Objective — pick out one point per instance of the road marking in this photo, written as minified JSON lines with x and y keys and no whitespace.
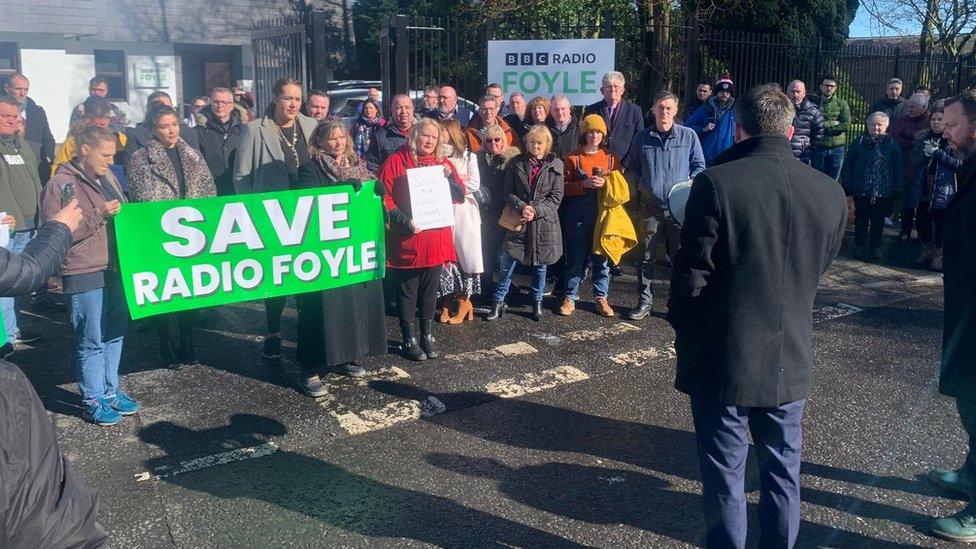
{"x":357,"y":423}
{"x":533,"y":383}
{"x":519,"y":348}
{"x":640,"y":357}
{"x":830,"y":312}
{"x":206,"y":462}
{"x":587,"y":335}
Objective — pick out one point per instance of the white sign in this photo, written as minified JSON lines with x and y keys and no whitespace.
{"x":150,"y":74}
{"x":546,"y":67}
{"x":430,"y":198}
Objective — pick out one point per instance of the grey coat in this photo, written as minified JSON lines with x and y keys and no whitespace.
{"x":260,"y":163}
{"x":152,"y":177}
{"x":541,"y":243}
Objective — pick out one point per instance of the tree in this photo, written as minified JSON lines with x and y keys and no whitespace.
{"x":948,"y":26}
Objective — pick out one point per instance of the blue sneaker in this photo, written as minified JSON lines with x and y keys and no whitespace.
{"x":123,"y":404}
{"x":100,"y":413}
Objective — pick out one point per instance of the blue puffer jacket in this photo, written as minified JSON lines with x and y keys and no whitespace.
{"x":944,"y":183}
{"x":715,"y":142}
{"x":857,"y":174}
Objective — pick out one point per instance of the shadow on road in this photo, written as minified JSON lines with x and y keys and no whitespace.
{"x":336,"y":497}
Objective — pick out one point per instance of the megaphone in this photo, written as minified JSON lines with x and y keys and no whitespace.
{"x":678,"y":199}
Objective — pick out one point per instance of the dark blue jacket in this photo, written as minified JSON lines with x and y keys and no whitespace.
{"x":626,"y":124}
{"x":715,"y":142}
{"x":857,"y":163}
{"x":387,"y":140}
{"x":946,"y":166}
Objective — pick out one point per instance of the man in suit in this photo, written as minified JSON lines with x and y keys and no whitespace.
{"x":957,"y":377}
{"x":760,"y":229}
{"x":37,"y":131}
{"x":623,"y":118}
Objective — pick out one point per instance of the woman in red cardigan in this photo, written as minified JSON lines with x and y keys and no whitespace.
{"x":414,"y":257}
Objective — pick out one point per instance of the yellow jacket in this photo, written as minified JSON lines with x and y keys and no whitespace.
{"x":614,"y":234}
{"x":67,"y":150}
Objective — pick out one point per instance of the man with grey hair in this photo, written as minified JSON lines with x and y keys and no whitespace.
{"x":219,"y":134}
{"x":516,"y":115}
{"x":760,"y":229}
{"x":623,"y":118}
{"x":904,"y":130}
{"x":892,"y":104}
{"x":563,"y":126}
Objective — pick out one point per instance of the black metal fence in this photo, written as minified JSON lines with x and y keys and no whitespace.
{"x":425,"y":51}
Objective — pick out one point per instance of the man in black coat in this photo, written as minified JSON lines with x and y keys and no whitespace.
{"x":958,"y":374}
{"x":219,"y":135}
{"x":37,"y":131}
{"x":392,"y":136}
{"x":563,"y":126}
{"x":623,"y":118}
{"x":138,"y":136}
{"x":760,"y":229}
{"x":808,"y":123}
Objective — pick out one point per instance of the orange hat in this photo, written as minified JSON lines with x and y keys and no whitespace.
{"x":593,"y":123}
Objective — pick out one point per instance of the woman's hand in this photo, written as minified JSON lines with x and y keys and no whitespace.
{"x":594,"y":182}
{"x":528,"y":214}
{"x":109,"y":209}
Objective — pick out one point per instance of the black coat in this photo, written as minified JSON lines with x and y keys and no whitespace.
{"x":387,"y":141}
{"x":37,"y":133}
{"x":26,"y":272}
{"x":808,"y":128}
{"x":137,"y":137}
{"x":344,"y":324}
{"x":218,"y":145}
{"x":566,"y":141}
{"x":760,"y":229}
{"x":958,"y":375}
{"x":541,"y":243}
{"x":625,"y":125}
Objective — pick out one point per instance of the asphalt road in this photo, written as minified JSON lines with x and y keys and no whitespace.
{"x":565,"y":432}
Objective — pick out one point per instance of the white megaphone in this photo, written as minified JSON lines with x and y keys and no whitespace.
{"x":678,"y":199}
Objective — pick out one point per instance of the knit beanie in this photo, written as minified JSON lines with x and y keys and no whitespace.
{"x":724,"y":84}
{"x":593,"y":122}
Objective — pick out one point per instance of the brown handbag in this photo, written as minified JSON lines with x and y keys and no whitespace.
{"x":511,"y":220}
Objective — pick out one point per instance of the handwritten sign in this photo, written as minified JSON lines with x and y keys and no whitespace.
{"x":430,"y":198}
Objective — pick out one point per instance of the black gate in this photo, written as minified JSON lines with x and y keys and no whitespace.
{"x":279,"y":52}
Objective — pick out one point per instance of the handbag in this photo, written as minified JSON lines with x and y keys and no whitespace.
{"x":510,"y":220}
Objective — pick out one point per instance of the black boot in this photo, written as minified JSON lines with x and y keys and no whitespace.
{"x":497,"y":310}
{"x":537,"y":311}
{"x":409,"y":347}
{"x":427,"y":341}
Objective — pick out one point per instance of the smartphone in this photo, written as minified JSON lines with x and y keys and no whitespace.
{"x":67,"y":193}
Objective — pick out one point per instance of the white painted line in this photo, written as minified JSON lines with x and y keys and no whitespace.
{"x":830,"y":312}
{"x":206,"y":462}
{"x":519,"y":348}
{"x":357,"y":423}
{"x":391,"y":373}
{"x":641,"y":357}
{"x":588,"y":335}
{"x":533,"y":383}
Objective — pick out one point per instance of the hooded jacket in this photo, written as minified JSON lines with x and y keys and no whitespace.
{"x":715,"y":142}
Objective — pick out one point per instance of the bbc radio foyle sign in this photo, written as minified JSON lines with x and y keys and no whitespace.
{"x":546,"y":67}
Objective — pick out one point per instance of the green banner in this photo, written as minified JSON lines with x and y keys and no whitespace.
{"x":187,"y":254}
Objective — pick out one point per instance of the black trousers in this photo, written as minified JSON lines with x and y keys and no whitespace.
{"x":416,"y":292}
{"x":923,"y":222}
{"x":273,"y":307}
{"x":938,"y":224}
{"x":869,"y":220}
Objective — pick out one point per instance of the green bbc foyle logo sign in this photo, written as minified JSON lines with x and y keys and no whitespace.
{"x":547,"y":67}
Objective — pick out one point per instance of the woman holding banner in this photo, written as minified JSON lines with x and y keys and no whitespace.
{"x":340,"y":327}
{"x":169,"y":169}
{"x":415,"y":257}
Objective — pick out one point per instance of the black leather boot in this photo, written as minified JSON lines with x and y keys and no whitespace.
{"x":537,"y":311}
{"x":410,"y":348}
{"x":497,"y":310}
{"x":427,"y":341}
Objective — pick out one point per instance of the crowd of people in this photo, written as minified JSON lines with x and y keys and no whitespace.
{"x":535,"y":189}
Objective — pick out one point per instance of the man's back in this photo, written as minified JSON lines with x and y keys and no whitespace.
{"x":761,"y":229}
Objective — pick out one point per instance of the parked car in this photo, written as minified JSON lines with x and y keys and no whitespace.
{"x":345,"y":102}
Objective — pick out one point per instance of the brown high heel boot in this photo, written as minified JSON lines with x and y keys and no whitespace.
{"x":465,"y":311}
{"x":446,"y":305}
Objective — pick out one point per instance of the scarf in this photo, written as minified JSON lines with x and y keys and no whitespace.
{"x":362,"y":132}
{"x":876,"y":175}
{"x":535,"y":168}
{"x":353,"y":170}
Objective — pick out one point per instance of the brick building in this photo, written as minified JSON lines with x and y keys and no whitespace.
{"x":184,"y":47}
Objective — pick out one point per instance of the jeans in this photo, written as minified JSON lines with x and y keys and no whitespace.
{"x":828,"y":161}
{"x":869,"y":220}
{"x":100,"y":318}
{"x":18,"y":241}
{"x":506,"y":268}
{"x":723,"y":446}
{"x":657,"y":225}
{"x":577,"y":242}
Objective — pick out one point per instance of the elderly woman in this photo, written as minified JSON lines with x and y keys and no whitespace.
{"x":493,"y":160}
{"x":337,"y":328}
{"x":872,"y":170}
{"x":271,"y":150}
{"x":169,"y":169}
{"x":462,"y":279}
{"x":415,"y":256}
{"x":533,"y":191}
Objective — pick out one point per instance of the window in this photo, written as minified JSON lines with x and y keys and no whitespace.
{"x":110,"y":65}
{"x":9,"y":59}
